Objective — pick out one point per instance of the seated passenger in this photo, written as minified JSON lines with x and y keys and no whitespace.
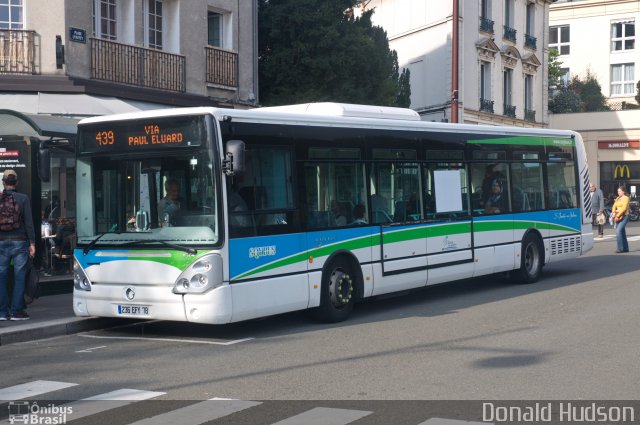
{"x":359,"y":213}
{"x":338,"y":216}
{"x":497,"y":202}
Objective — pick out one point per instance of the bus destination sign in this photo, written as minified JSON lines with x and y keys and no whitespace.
{"x":141,"y":135}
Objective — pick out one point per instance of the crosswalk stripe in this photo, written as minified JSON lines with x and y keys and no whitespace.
{"x":199,"y":413}
{"x":325,"y":416}
{"x":442,"y":421}
{"x":107,"y":401}
{"x":31,"y":389}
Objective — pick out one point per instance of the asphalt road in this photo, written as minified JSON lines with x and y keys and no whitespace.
{"x":574,"y":335}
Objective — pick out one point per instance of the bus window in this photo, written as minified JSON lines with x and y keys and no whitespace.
{"x":261,"y":199}
{"x":562,"y":185}
{"x":489,"y":183}
{"x":526,"y":189}
{"x":445,"y":191}
{"x":335,"y":194}
{"x":395,"y":186}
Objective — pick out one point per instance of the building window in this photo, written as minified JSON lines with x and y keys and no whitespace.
{"x":486,"y":103}
{"x":154,"y":24}
{"x":11,"y":14}
{"x":215,"y":24}
{"x":104,"y":19}
{"x":559,"y":38}
{"x":529,"y":113}
{"x":509,"y":109}
{"x":486,"y":24}
{"x":531,"y":16}
{"x":623,"y":35}
{"x":622,"y":79}
{"x":509,"y":30}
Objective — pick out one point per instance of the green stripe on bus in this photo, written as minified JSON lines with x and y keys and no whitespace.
{"x":178,"y":259}
{"x":526,"y":141}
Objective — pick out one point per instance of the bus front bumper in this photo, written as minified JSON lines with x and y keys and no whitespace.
{"x":154,"y":303}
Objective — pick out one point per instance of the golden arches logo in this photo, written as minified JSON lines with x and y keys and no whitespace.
{"x":622,"y":170}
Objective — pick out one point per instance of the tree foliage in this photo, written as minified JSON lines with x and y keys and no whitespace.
{"x":581,"y":95}
{"x":555,"y":71}
{"x":318,"y":50}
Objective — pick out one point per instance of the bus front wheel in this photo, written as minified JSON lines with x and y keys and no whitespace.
{"x":531,"y":261}
{"x":338,"y":292}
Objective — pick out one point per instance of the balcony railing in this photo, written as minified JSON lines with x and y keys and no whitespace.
{"x":486,"y":25}
{"x":17,"y":52}
{"x":530,"y":41}
{"x":510,"y":33}
{"x":486,"y":105}
{"x":222,"y":66}
{"x":509,"y":110}
{"x":137,"y":66}
{"x":529,"y":114}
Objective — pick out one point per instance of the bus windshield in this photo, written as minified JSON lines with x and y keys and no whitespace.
{"x":135,"y":200}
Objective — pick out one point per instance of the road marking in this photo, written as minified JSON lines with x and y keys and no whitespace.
{"x":325,"y":416}
{"x":190,"y":341}
{"x":90,"y":350}
{"x":107,"y":401}
{"x":199,"y":413}
{"x":441,"y":421}
{"x":31,"y":389}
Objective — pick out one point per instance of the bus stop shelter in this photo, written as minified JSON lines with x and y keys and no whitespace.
{"x":40,"y":148}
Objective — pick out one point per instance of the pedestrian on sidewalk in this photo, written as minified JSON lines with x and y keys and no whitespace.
{"x":597,"y":207}
{"x":17,"y":241}
{"x":620,"y":214}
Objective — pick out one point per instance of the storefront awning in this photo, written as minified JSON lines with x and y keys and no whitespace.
{"x":13,"y":123}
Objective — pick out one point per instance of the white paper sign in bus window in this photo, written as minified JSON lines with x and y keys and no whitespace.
{"x":448,"y":190}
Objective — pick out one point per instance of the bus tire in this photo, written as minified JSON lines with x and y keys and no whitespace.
{"x":531,"y":260}
{"x":338,"y":291}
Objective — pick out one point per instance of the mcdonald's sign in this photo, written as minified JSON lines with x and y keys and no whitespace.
{"x":622,"y":171}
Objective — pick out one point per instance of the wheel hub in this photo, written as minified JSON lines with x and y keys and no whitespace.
{"x":340,"y":288}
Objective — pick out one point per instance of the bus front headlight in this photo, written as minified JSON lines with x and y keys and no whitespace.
{"x":80,"y":279}
{"x":201,"y":276}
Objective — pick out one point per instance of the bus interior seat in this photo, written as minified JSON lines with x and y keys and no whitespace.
{"x":381,"y":217}
{"x":319,"y":219}
{"x":400,"y":211}
{"x":346,"y":207}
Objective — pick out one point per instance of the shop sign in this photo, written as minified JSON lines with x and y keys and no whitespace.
{"x":619,"y":144}
{"x":622,"y":171}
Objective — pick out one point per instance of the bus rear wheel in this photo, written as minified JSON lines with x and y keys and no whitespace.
{"x":531,"y":261}
{"x":338,"y":292}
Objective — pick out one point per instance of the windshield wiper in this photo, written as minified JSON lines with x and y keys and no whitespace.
{"x":191,"y":251}
{"x":87,"y":248}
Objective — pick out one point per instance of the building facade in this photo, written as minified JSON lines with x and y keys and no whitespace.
{"x":78,"y":58}
{"x":91,"y":57}
{"x":598,"y":36}
{"x":502,"y":61}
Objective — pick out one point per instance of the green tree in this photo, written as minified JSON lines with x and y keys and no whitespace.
{"x":590,"y":92}
{"x":318,"y":50}
{"x":564,"y":101}
{"x":555,"y":71}
{"x":638,"y":92}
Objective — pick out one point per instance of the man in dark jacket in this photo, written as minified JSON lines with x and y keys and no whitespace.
{"x":17,"y":240}
{"x":597,"y":206}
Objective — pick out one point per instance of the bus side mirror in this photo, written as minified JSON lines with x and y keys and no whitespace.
{"x":234,"y":158}
{"x":44,"y":164}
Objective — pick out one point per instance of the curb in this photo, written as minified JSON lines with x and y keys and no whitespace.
{"x":59,"y":327}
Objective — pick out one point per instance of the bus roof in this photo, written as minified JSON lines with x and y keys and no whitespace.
{"x":335,"y":115}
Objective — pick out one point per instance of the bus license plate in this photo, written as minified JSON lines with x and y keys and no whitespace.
{"x":133,"y":310}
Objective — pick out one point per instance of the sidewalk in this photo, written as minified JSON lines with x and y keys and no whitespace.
{"x":51,"y":315}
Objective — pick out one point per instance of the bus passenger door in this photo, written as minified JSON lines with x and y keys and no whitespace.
{"x":396,"y":206}
{"x":449,"y":243}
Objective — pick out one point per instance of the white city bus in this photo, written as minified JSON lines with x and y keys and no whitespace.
{"x":312,"y":207}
